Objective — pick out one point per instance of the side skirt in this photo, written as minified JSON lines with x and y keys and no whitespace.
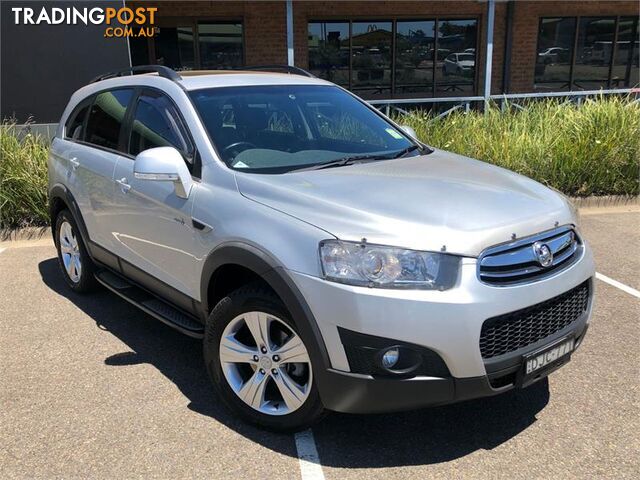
{"x":151,"y":304}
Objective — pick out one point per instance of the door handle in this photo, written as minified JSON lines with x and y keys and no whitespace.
{"x":74,"y":163}
{"x":124,"y":186}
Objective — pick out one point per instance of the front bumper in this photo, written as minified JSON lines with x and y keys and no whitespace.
{"x":448,"y":323}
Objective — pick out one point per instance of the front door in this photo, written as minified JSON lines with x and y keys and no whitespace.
{"x":153,"y":232}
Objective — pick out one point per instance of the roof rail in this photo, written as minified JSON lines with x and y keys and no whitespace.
{"x":290,"y":69}
{"x":161,"y":70}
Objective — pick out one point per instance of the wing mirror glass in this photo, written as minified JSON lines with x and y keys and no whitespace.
{"x":164,"y":164}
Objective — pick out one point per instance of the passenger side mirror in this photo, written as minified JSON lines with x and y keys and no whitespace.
{"x":164,"y":164}
{"x":409,"y":131}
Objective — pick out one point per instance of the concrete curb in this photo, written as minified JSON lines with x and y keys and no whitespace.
{"x":605,"y":201}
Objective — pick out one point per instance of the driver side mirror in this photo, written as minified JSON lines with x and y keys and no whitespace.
{"x":409,"y":131}
{"x":164,"y":164}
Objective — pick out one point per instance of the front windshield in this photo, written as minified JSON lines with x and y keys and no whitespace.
{"x":279,"y":128}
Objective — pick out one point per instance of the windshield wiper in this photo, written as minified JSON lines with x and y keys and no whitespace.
{"x":404,"y":151}
{"x":341,"y":162}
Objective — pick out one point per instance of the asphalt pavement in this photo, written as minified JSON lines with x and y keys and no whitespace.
{"x":93,"y":388}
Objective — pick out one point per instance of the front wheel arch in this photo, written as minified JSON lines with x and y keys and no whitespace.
{"x":271,"y":272}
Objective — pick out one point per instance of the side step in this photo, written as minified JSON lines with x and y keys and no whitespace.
{"x":151,"y":304}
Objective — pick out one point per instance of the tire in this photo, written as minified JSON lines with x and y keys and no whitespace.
{"x":76,"y":265}
{"x":261,"y":382}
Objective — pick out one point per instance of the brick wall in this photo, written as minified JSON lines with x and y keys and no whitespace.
{"x":265,"y":25}
{"x":526,"y":16}
{"x":265,"y":29}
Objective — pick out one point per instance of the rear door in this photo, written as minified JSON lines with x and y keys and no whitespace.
{"x":153,"y":231}
{"x":93,"y":154}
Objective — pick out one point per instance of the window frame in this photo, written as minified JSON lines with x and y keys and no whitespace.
{"x":92,"y":98}
{"x":576,"y":35}
{"x":195,"y":167}
{"x":432,"y":91}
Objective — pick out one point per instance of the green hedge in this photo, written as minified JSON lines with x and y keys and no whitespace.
{"x":23,"y":178}
{"x":591,"y":149}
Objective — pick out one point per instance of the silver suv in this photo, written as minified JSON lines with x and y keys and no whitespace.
{"x":327,"y":258}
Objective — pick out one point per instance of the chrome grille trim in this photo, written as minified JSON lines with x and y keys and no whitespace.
{"x":515,"y":263}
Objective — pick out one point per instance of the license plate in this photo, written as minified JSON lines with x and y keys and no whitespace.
{"x":539,"y":360}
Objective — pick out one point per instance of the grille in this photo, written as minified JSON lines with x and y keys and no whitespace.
{"x":517,"y":262}
{"x":516,"y":330}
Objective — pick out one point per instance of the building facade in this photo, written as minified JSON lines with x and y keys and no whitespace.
{"x":404,"y":49}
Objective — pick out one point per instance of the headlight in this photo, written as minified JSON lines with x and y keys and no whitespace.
{"x":387,"y":267}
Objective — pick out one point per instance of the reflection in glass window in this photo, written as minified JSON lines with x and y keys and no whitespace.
{"x":360,"y":56}
{"x":220,"y":45}
{"x":625,"y":64}
{"x":555,"y":47}
{"x":174,"y":48}
{"x":456,"y":57}
{"x":106,"y":117}
{"x":155,"y":124}
{"x":415,"y":44}
{"x":371,"y":58}
{"x":594,"y":52}
{"x":599,"y":60}
{"x":329,"y":51}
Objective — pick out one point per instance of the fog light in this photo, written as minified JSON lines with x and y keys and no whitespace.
{"x":390,"y":357}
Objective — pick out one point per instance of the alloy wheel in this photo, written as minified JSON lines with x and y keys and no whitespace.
{"x":70,"y":252}
{"x":265,"y":363}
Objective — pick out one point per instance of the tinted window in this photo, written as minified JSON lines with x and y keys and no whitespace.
{"x":75,"y":123}
{"x":106,"y":118}
{"x":156,"y":123}
{"x":220,"y":44}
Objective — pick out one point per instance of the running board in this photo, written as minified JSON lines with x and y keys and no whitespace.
{"x":151,"y":304}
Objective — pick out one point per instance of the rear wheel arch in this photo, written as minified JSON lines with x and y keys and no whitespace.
{"x":60,"y":198}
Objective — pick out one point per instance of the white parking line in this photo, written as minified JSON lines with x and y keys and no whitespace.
{"x":615,"y":283}
{"x":310,"y":468}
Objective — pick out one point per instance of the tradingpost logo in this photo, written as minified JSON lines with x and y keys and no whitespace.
{"x":119,"y":22}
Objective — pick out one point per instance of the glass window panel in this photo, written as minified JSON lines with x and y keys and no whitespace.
{"x":329,"y":51}
{"x":174,"y":47}
{"x":371,"y":59}
{"x":155,"y":124}
{"x":456,"y":57}
{"x":75,"y":123}
{"x":625,"y":62}
{"x":106,"y":117}
{"x":139,"y":47}
{"x":555,"y":48}
{"x":220,"y":45}
{"x":593,"y":53}
{"x":415,"y":44}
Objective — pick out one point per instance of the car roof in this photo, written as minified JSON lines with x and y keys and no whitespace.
{"x":201,"y":79}
{"x":195,"y":80}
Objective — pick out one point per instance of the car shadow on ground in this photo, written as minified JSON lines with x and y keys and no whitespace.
{"x":348,"y":441}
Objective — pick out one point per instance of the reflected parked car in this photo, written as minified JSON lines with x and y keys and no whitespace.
{"x":462,"y":64}
{"x":553,"y":55}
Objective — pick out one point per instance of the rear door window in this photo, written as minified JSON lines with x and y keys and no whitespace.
{"x":106,"y":118}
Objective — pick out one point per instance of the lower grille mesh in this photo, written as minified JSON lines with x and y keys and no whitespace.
{"x":518,"y":329}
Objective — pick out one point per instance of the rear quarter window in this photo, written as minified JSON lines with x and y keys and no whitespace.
{"x":74,"y":128}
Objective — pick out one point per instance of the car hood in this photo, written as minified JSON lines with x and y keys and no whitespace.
{"x":430,"y":202}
